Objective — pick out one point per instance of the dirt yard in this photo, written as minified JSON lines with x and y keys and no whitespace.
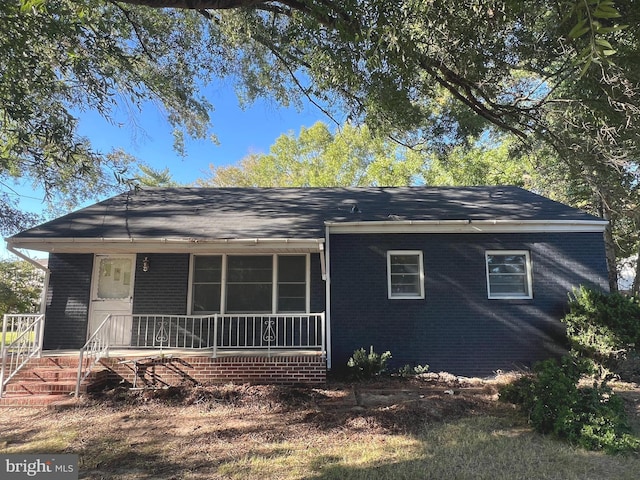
{"x":433,"y":427}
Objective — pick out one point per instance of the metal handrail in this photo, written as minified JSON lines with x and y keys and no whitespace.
{"x":97,"y":347}
{"x":241,"y":331}
{"x":17,"y":354}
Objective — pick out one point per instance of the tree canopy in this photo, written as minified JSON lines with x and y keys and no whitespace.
{"x":60,"y":58}
{"x":561,"y":76}
{"x":319,"y":158}
{"x":20,"y":287}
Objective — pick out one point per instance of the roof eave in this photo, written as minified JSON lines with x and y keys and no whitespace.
{"x":166,"y":245}
{"x":467,"y":226}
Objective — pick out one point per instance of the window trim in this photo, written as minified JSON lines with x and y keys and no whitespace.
{"x":223,"y":282}
{"x":528,"y":275}
{"x":390,"y":294}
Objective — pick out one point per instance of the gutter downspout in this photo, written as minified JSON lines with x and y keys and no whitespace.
{"x":45,"y":287}
{"x":327,"y":302}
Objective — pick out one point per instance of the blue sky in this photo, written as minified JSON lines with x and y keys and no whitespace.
{"x":239,"y":133}
{"x":147,"y":136}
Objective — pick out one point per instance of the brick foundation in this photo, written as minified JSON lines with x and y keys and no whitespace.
{"x":163,"y":371}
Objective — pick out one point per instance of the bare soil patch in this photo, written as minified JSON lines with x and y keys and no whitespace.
{"x":389,"y":428}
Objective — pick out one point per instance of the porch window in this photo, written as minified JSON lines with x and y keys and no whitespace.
{"x":405,"y":274}
{"x":292,"y":283}
{"x":508,"y":274}
{"x":249,"y":283}
{"x":207,"y":283}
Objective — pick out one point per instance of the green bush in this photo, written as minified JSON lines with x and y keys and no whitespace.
{"x":591,"y":417}
{"x":605,"y":328}
{"x":409,"y":371}
{"x":365,"y":366}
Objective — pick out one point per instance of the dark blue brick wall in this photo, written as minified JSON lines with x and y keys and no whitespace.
{"x":67,"y":301}
{"x":163,"y":289}
{"x":317,"y":288}
{"x":456,"y":328}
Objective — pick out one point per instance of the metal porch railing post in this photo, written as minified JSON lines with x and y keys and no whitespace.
{"x":215,"y":335}
{"x":323,"y":334}
{"x":2,"y":372}
{"x":3,"y":351}
{"x":79,"y":376}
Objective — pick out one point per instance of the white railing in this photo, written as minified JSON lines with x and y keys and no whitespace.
{"x":97,"y":347}
{"x":172,"y":331}
{"x":21,"y":341}
{"x":270,"y":332}
{"x":228,"y":331}
{"x":202,"y":332}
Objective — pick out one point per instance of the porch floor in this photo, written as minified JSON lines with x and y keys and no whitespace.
{"x":191,"y":352}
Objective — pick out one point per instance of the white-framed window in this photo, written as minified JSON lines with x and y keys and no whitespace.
{"x":228,"y":283}
{"x":405,"y":274}
{"x":509,"y":274}
{"x":206,"y":283}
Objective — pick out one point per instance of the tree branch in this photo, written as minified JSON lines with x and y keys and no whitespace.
{"x":196,"y":4}
{"x":135,"y":26}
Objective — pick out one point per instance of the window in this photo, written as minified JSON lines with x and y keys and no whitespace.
{"x":405,"y":274}
{"x":249,"y":283}
{"x":508,"y":274}
{"x":292,"y":283}
{"x":207,"y":282}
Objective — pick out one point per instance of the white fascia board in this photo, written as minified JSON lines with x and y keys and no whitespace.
{"x":168,"y":245}
{"x":468,"y":226}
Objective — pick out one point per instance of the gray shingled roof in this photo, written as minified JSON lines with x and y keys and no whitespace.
{"x":228,"y":213}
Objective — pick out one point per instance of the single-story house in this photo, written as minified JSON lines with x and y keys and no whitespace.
{"x":467,"y":280}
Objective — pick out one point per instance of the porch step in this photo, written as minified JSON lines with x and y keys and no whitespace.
{"x":42,"y":388}
{"x":21,"y":400}
{"x":47,"y":374}
{"x":49,"y":381}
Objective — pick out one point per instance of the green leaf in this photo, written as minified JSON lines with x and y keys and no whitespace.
{"x":603,"y":43}
{"x":604,"y":11}
{"x":579,"y":29}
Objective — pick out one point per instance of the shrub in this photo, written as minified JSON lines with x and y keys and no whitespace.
{"x":365,"y":366}
{"x":409,"y":371}
{"x":606,"y":328}
{"x":592,"y":417}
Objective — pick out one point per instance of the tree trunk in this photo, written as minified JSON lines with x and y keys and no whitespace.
{"x":635,"y":289}
{"x":610,"y":252}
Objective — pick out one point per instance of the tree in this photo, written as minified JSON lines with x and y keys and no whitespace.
{"x":483,"y":163}
{"x":434,"y":65}
{"x":319,"y":158}
{"x":20,"y":287}
{"x":61,"y":57}
{"x":151,"y":177}
{"x":563,"y":75}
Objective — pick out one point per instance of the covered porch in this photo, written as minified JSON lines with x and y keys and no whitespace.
{"x":259,"y":348}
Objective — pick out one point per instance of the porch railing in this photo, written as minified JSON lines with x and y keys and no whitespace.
{"x":270,"y":332}
{"x":216,"y":332}
{"x":97,"y":347}
{"x":21,"y":340}
{"x":237,"y":331}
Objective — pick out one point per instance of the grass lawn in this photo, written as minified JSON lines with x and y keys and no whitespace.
{"x":11,"y":336}
{"x":394,"y":430}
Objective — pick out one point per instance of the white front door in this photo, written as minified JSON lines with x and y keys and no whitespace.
{"x":112,"y":294}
